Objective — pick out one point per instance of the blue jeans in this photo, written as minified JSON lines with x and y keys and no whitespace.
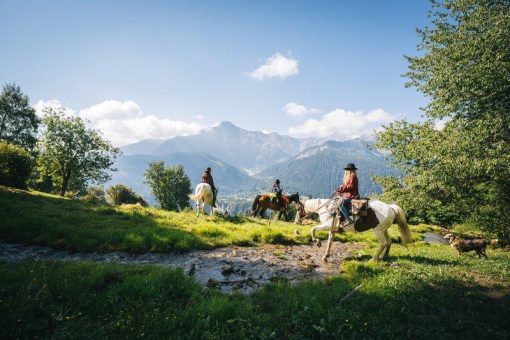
{"x":346,"y":202}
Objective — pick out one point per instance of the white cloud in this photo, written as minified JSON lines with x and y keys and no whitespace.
{"x":54,"y":104}
{"x":124,"y":123}
{"x":342,"y":124}
{"x":296,"y":110}
{"x":112,"y":109}
{"x":276,"y":66}
{"x":199,"y":117}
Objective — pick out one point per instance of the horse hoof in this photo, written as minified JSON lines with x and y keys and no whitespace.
{"x":319,"y":243}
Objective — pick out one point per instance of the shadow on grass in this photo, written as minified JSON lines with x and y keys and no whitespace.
{"x":424,"y":260}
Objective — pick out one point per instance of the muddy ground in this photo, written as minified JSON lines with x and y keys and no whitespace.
{"x":241,"y":269}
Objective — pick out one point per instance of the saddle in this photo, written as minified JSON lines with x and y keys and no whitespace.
{"x":364,"y":216}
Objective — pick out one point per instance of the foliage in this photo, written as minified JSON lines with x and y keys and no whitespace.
{"x":170,"y":185}
{"x":459,"y":172}
{"x":121,"y":194}
{"x":18,"y":122}
{"x":73,"y":154}
{"x":15,"y":165}
{"x":95,"y":195}
{"x":431,"y":286}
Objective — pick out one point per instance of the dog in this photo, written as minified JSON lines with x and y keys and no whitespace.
{"x":463,"y":246}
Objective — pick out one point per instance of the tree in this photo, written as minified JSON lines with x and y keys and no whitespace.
{"x":460,"y":172}
{"x":18,"y":122}
{"x":73,"y":154}
{"x":169,"y":185}
{"x":15,"y":165}
{"x":121,"y":194}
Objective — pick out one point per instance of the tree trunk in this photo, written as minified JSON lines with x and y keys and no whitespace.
{"x":65,"y":182}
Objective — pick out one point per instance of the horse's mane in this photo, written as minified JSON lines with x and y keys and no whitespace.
{"x":312,"y":205}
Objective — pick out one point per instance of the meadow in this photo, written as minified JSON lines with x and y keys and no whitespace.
{"x":422,"y":291}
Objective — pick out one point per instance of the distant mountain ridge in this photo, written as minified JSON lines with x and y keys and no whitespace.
{"x":318,"y":171}
{"x":250,"y":151}
{"x":247,"y":162}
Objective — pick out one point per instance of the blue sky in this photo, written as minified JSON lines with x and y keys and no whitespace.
{"x":161,"y":68}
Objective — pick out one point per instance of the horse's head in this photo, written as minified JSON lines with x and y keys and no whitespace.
{"x":300,"y":213}
{"x":294,"y":198}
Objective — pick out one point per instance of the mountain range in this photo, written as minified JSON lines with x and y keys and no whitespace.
{"x":247,"y":162}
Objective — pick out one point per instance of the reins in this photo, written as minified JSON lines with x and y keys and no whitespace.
{"x":319,"y":208}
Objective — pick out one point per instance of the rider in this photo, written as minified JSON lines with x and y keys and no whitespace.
{"x":207,"y":178}
{"x":278,"y":191}
{"x":347,"y":191}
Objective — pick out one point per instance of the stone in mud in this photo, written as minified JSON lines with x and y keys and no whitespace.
{"x":227,"y":270}
{"x":192,"y":269}
{"x":212,"y":283}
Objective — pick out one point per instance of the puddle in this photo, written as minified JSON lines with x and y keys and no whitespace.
{"x":434,"y":238}
{"x":240,"y":269}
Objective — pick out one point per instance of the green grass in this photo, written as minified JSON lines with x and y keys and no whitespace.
{"x":422,"y":291}
{"x":38,"y":218}
{"x":426,"y":292}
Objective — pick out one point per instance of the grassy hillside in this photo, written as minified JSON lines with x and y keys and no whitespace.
{"x":38,"y":218}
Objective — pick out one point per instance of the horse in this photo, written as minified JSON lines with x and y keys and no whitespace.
{"x":385,"y":215}
{"x":264,"y":202}
{"x":203,"y":196}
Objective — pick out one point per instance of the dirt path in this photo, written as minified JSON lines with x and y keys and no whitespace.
{"x":242,"y":269}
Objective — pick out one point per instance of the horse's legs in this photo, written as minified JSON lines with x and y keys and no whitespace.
{"x":382,"y":240}
{"x":388,"y":244}
{"x":322,"y":226}
{"x":261,"y":212}
{"x":197,"y":204}
{"x":328,"y":248}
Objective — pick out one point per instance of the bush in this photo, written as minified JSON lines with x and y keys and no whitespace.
{"x":121,"y":194}
{"x":95,"y":195}
{"x":15,"y":165}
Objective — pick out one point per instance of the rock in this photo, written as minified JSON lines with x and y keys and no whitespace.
{"x":192,"y":270}
{"x":227,"y":270}
{"x":212,"y":283}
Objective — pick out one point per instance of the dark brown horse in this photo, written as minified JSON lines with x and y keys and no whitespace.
{"x":264,"y":202}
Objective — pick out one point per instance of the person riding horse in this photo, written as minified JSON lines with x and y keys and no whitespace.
{"x":207,"y":178}
{"x":278,"y":191}
{"x":347,"y":191}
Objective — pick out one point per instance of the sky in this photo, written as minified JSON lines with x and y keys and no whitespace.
{"x":156,"y":69}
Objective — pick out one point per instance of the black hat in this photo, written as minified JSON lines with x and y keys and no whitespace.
{"x":350,"y":166}
{"x":277,"y":181}
{"x":208,"y":169}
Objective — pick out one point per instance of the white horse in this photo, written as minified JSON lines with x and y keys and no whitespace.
{"x":203,"y":196}
{"x":385,"y":215}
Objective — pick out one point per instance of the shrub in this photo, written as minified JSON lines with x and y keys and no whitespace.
{"x":121,"y":194}
{"x":15,"y":165}
{"x":95,"y":195}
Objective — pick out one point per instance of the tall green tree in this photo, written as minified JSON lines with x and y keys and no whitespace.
{"x":170,"y":185}
{"x":459,"y":172}
{"x":73,"y":154}
{"x":18,"y":122}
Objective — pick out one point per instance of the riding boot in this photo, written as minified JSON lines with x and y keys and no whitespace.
{"x":214,"y":199}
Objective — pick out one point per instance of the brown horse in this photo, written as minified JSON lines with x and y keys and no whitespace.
{"x":264,"y":202}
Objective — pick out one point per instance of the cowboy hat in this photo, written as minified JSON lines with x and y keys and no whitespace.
{"x":350,"y":166}
{"x":208,"y":169}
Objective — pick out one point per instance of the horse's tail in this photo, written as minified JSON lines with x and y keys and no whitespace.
{"x":255,"y":203}
{"x":405,"y":232}
{"x":198,"y":195}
